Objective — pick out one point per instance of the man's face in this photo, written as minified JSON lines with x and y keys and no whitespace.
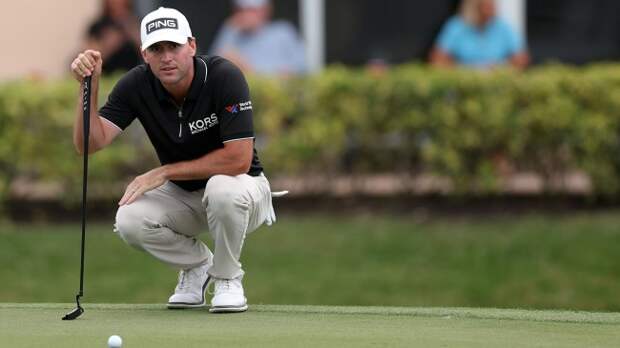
{"x":252,"y":18}
{"x":170,"y":61}
{"x":487,"y":10}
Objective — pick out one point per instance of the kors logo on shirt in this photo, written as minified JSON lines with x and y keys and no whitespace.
{"x":204,"y":124}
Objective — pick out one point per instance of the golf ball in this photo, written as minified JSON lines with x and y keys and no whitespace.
{"x":115,"y":341}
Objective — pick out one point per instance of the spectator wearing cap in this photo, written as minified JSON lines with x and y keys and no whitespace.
{"x":258,"y":45}
{"x":477,"y":37}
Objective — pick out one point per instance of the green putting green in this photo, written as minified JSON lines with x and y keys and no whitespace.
{"x":40,"y":325}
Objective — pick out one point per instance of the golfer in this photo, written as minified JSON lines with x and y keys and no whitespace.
{"x":197,"y":113}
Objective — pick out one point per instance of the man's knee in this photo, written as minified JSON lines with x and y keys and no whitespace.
{"x":134,"y":225}
{"x":223,"y":195}
{"x":129,"y":225}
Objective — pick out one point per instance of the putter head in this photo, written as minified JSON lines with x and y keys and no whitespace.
{"x":74,"y":314}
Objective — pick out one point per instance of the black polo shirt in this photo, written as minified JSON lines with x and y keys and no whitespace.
{"x":217,"y":109}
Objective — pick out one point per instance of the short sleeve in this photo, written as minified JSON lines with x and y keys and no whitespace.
{"x":117,"y":108}
{"x":234,"y":107}
{"x":448,"y":36}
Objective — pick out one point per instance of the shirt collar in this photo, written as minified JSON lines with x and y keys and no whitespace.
{"x":200,"y":78}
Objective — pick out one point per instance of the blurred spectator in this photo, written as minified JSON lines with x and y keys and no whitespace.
{"x":477,"y":37}
{"x":377,"y":67}
{"x":116,"y":35}
{"x":378,"y":63}
{"x":256,"y":44}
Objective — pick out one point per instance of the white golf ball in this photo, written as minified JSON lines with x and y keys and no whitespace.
{"x":115,"y":341}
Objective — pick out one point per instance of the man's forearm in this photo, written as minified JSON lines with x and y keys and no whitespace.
{"x":222,"y":161}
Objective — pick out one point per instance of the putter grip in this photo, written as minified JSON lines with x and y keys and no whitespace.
{"x":86,"y":110}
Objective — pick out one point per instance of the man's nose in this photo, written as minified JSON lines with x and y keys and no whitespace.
{"x":167,"y":55}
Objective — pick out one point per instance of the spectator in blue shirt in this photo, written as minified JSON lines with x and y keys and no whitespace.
{"x":255,"y":44}
{"x":478,"y":38}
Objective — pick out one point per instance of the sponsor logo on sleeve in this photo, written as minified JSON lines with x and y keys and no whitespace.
{"x":235,"y":108}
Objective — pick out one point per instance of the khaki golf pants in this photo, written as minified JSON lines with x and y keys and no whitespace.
{"x":165,"y":222}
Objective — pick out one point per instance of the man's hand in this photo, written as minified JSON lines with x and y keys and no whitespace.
{"x":143,"y":183}
{"x":85,"y":64}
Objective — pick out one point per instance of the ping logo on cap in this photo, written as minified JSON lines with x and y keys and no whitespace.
{"x":161,"y":23}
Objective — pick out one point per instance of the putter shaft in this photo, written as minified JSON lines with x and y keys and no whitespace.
{"x":86,"y":123}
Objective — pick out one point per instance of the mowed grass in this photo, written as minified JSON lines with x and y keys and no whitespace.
{"x":534,"y":261}
{"x":152,"y":326}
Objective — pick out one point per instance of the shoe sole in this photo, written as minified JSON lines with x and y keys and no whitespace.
{"x":181,"y":305}
{"x":228,"y":309}
{"x":186,"y":305}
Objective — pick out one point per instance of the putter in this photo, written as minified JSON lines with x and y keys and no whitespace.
{"x":86,"y":108}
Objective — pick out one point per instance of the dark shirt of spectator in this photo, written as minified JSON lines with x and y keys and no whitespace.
{"x":120,"y":54}
{"x":116,"y":35}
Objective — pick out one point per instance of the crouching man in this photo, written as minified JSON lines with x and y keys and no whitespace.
{"x":197,"y":113}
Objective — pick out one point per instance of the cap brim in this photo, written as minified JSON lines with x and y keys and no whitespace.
{"x":165,"y":36}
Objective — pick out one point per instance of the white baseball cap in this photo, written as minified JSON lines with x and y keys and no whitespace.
{"x":250,"y":3}
{"x":164,"y":24}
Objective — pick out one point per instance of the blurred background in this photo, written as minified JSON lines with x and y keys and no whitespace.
{"x":346,"y":31}
{"x":444,"y":153}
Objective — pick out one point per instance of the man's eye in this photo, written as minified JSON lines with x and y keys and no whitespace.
{"x":154,"y":49}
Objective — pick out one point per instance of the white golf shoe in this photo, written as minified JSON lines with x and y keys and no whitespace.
{"x":190,"y":290}
{"x":228,"y":296}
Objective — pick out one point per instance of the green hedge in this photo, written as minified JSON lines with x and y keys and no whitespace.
{"x":457,"y":124}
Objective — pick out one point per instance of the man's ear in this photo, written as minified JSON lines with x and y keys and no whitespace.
{"x":144,"y":56}
{"x":192,"y":44}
